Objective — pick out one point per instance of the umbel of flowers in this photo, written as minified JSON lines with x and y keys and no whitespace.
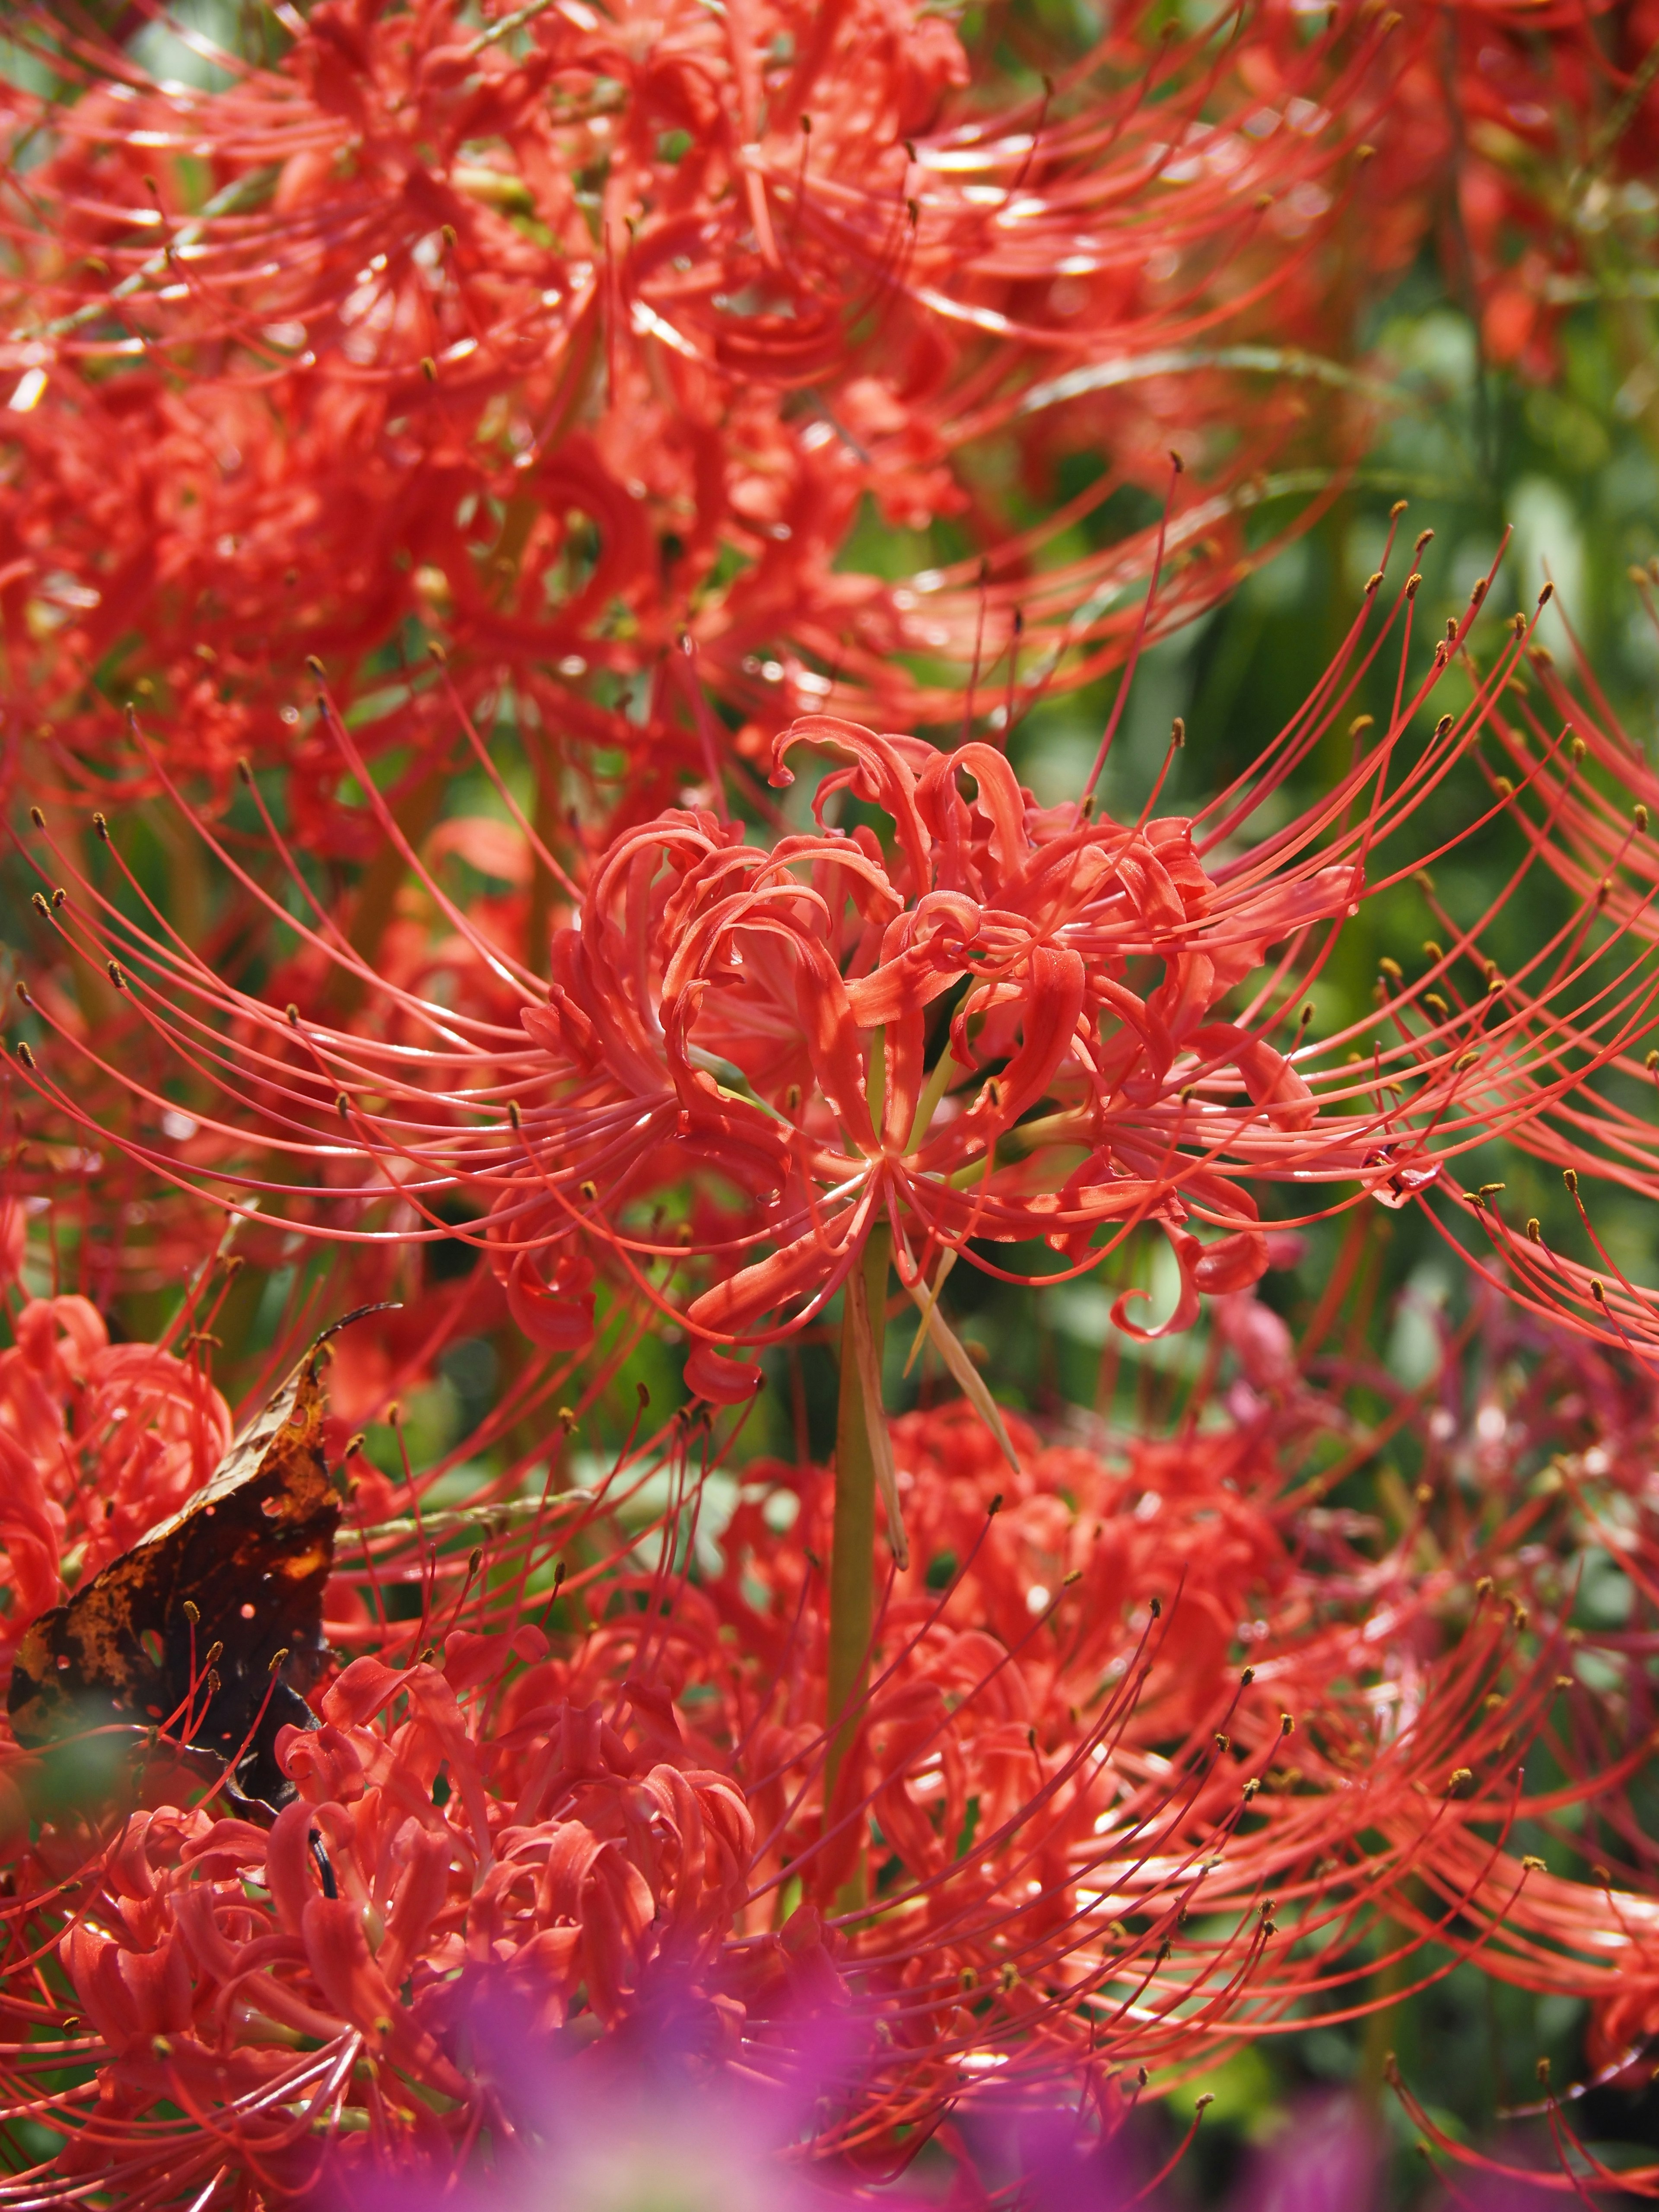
{"x":1104,"y":1849}
{"x":604,"y":353}
{"x":763,"y":1074}
{"x":568,"y":336}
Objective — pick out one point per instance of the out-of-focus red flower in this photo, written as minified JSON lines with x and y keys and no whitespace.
{"x":1582,"y":793}
{"x":1515,"y":145}
{"x":1534,"y":1450}
{"x":564,"y":335}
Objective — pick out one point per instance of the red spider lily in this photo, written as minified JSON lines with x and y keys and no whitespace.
{"x":1513,"y":135}
{"x":767,"y":1025}
{"x":214,"y":2010}
{"x":1225,"y":1529}
{"x":1581,"y":794}
{"x":1232,"y":1528}
{"x":98,"y":1441}
{"x":1588,"y":1516}
{"x":112,"y":1228}
{"x":1536,"y":1455}
{"x":1100,"y":1847}
{"x":739,"y":1036}
{"x":241,"y":1977}
{"x":1555,"y":110}
{"x":1265,"y":1814}
{"x":564,"y":335}
{"x":1038,"y":1746}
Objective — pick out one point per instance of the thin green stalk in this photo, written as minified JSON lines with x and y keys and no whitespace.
{"x":1377,"y":2046}
{"x":852,"y":1554}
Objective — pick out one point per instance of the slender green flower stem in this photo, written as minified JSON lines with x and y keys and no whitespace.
{"x":852,"y":1555}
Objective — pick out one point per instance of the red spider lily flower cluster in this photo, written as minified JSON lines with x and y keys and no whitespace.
{"x":1104,"y":1847}
{"x":1546,"y":146}
{"x":1380,"y":1716}
{"x":596,"y":348}
{"x":1005,"y":1023}
{"x":1517,"y":147}
{"x":568,"y":337}
{"x":1539,"y":1456}
{"x":221,"y":1971}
